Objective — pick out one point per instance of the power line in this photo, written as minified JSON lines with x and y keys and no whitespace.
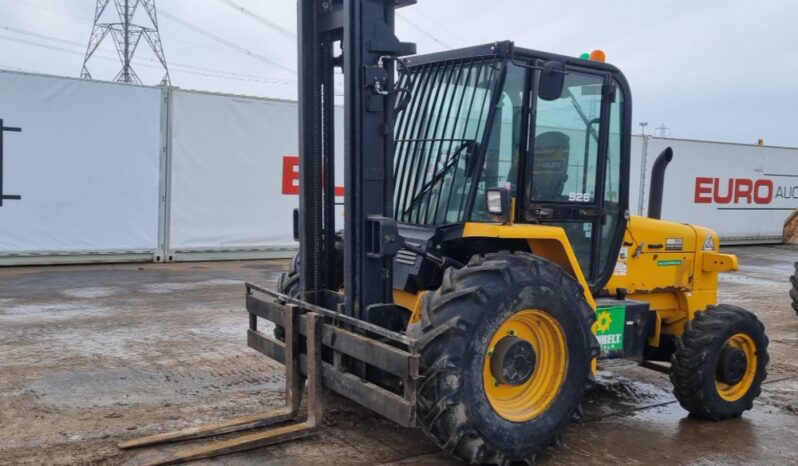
{"x":165,"y":38}
{"x":45,"y":37}
{"x":226,"y":42}
{"x":266,"y":22}
{"x":422,"y":30}
{"x":113,"y":52}
{"x":440,"y":25}
{"x":177,"y":67}
{"x":42,"y":7}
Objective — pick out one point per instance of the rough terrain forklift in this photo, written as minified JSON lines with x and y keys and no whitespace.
{"x":488,"y":258}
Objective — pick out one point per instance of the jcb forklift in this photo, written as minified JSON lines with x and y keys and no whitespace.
{"x":488,"y":258}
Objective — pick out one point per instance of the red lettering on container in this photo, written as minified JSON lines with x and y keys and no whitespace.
{"x":736,"y":190}
{"x":291,"y":177}
{"x":743,"y":189}
{"x":703,"y":190}
{"x":768,"y":185}
{"x":723,"y":199}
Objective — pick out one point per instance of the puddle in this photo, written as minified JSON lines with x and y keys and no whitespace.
{"x":124,"y":386}
{"x":163,"y":288}
{"x":619,"y":388}
{"x":746,"y":280}
{"x":91,"y":292}
{"x":777,"y":269}
{"x":52,"y":311}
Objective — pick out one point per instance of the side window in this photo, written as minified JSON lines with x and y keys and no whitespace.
{"x":612,"y":193}
{"x":565,"y":151}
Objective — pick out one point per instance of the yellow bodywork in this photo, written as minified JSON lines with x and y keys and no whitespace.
{"x":546,"y":241}
{"x":672,"y":266}
{"x":676,"y":283}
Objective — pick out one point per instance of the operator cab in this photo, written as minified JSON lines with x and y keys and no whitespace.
{"x":485,"y":118}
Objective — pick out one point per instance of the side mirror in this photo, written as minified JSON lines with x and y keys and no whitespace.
{"x":498,"y":200}
{"x":552,"y":80}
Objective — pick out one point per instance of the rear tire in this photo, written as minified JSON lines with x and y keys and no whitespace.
{"x":459,"y":325}
{"x":794,"y":290}
{"x":702,"y":364}
{"x":288,"y":283}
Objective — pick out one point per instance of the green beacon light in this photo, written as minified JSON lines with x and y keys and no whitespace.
{"x":585,"y":56}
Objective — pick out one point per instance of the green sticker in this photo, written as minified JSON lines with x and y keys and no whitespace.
{"x":669,"y":262}
{"x":610,"y":325}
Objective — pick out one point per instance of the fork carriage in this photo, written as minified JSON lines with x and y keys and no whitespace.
{"x":347,"y":353}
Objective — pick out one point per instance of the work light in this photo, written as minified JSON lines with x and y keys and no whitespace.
{"x":498,"y":201}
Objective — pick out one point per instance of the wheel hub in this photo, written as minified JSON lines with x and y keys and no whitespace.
{"x":513,"y":361}
{"x":732,"y":364}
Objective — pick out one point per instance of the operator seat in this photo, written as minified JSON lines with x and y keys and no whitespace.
{"x":550,"y":166}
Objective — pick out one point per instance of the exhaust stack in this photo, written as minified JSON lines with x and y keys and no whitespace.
{"x":658,"y":183}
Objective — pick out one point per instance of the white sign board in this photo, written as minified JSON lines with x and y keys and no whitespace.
{"x":86,"y":164}
{"x":744,"y":192}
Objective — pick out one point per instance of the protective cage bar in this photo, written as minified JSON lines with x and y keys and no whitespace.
{"x":438,"y":134}
{"x":347,"y":348}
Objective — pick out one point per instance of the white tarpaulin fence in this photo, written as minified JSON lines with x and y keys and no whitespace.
{"x":233,"y":174}
{"x":117,"y":172}
{"x":226,"y":172}
{"x":87,"y":165}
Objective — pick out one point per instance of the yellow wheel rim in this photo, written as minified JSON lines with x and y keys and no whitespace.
{"x":527,"y":401}
{"x":736,"y":391}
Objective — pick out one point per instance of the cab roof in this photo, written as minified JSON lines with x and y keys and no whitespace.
{"x":505,"y":49}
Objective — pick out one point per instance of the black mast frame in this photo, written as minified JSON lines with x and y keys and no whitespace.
{"x":365,"y":30}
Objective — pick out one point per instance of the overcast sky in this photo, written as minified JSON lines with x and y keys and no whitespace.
{"x":717,"y":70}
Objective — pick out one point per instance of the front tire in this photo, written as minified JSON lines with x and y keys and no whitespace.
{"x":484,"y":315}
{"x":720,"y":362}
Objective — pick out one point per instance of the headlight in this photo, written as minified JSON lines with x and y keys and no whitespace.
{"x":496,"y":201}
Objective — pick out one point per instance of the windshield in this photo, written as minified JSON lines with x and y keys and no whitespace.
{"x":437,"y":138}
{"x":502,"y":152}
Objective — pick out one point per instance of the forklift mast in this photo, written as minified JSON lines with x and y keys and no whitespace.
{"x":363,"y":30}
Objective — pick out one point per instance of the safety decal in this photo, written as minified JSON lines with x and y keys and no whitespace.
{"x":610,"y":325}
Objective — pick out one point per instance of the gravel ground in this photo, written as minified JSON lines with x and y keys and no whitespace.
{"x":90,"y":355}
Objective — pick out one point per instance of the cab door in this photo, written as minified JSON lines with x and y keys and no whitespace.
{"x":566,"y":168}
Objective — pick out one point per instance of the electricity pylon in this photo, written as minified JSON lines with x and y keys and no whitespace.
{"x":126,"y":37}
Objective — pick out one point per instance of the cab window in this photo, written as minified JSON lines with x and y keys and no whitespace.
{"x":563,"y":167}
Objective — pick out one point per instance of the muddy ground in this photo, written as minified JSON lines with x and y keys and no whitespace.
{"x":90,"y":355}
